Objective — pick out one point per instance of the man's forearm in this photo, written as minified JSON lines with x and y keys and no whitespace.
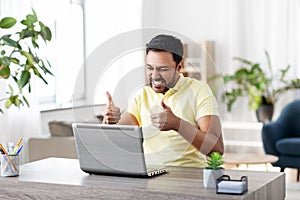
{"x":205,"y":142}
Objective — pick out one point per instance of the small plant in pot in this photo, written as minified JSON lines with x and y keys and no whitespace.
{"x":213,"y":170}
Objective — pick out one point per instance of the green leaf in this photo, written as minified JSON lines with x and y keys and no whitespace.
{"x":284,"y":72}
{"x":29,"y":88}
{"x":227,"y":78}
{"x":5,"y":71}
{"x":34,"y":14}
{"x":17,"y":102}
{"x":26,"y":23}
{"x":25,"y":100}
{"x":11,"y":89}
{"x":242,"y":60}
{"x":10,"y":42}
{"x":13,"y":100}
{"x":25,"y":33}
{"x":48,"y":63}
{"x":7,"y":22}
{"x":268,"y":60}
{"x":31,"y":18}
{"x":45,"y":32}
{"x":34,"y":44}
{"x":5,"y":60}
{"x":35,"y":58}
{"x":28,"y":56}
{"x":45,"y":69}
{"x":37,"y":73}
{"x":8,"y":103}
{"x":15,"y":79}
{"x":14,"y":60}
{"x":24,"y":79}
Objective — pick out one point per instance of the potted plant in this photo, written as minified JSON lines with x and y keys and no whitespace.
{"x":213,"y":170}
{"x":19,"y":60}
{"x":262,"y":88}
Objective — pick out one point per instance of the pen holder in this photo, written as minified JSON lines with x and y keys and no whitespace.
{"x":9,"y":165}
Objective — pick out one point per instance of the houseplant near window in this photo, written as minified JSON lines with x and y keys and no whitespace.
{"x":213,"y":170}
{"x":18,"y":58}
{"x":262,"y":88}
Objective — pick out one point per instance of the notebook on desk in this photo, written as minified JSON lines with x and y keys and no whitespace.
{"x":112,"y":150}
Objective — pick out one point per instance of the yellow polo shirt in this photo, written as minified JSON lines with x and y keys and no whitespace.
{"x":189,"y":99}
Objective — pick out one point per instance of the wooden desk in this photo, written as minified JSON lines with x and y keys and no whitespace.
{"x":59,"y":178}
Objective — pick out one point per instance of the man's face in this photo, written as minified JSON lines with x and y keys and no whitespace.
{"x":161,"y":69}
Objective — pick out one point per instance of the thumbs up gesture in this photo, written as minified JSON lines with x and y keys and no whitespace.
{"x":166,"y":120}
{"x":112,"y":113}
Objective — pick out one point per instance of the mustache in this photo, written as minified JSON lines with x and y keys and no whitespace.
{"x":158,"y":80}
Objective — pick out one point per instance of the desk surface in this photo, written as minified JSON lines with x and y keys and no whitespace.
{"x":59,"y":178}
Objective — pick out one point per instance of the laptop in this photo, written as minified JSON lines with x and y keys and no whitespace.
{"x":112,"y":150}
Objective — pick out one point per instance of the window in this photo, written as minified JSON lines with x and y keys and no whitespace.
{"x":77,"y":27}
{"x":65,"y":52}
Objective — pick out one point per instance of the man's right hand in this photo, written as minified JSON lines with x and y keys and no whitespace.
{"x":112,"y":113}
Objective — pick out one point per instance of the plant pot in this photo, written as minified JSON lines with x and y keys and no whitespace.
{"x":264,"y":113}
{"x":210,"y":177}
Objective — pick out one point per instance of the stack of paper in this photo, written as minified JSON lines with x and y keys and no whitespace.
{"x":234,"y":187}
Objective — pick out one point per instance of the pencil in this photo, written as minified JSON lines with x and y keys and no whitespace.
{"x":17,"y":146}
{"x":6,"y":154}
{"x":19,"y":142}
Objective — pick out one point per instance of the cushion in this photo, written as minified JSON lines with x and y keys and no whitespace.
{"x":60,"y":128}
{"x":100,"y":118}
{"x":64,"y":128}
{"x":288,"y":146}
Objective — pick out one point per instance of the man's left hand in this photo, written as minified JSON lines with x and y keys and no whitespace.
{"x":166,"y":120}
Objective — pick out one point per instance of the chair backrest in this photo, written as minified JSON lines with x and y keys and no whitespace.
{"x":290,"y":117}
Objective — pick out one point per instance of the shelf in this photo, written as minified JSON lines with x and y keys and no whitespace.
{"x":198,"y":60}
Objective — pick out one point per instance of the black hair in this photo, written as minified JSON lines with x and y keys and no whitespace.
{"x":166,"y":43}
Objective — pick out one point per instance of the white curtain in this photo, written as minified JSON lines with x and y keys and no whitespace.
{"x":255,"y":26}
{"x":272,"y":25}
{"x":26,"y":122}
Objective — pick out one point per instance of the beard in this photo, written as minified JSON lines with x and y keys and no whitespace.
{"x":158,"y":84}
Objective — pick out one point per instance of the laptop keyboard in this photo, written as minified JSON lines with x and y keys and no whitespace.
{"x":153,"y":172}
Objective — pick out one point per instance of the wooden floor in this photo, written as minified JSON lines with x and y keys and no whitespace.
{"x":292,"y":186}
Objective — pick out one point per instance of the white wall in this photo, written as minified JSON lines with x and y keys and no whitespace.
{"x":196,"y":19}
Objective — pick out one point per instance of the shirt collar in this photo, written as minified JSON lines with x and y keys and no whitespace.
{"x":180,"y":82}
